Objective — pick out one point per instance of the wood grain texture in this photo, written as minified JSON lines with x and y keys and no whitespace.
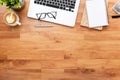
{"x":59,"y":52}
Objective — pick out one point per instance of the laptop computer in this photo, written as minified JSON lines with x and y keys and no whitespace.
{"x":57,"y":11}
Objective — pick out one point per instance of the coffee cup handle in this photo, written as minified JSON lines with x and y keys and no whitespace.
{"x":19,"y":23}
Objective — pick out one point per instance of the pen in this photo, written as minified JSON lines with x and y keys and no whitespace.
{"x":116,"y":16}
{"x":43,"y":26}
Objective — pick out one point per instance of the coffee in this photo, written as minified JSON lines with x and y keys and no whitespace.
{"x":10,"y":18}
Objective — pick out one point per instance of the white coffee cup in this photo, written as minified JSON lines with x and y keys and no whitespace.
{"x":11,"y":19}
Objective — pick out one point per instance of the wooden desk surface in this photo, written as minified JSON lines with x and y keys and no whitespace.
{"x":59,"y":53}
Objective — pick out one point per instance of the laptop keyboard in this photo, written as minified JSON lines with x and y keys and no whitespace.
{"x":67,"y":5}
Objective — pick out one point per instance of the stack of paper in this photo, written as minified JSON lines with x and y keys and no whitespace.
{"x":95,"y":14}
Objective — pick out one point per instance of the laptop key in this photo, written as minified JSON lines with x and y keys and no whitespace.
{"x":52,"y":5}
{"x":67,"y":5}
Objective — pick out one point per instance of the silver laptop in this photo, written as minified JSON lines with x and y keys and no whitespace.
{"x":58,"y":11}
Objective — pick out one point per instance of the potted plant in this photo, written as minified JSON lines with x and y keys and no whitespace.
{"x":13,"y":4}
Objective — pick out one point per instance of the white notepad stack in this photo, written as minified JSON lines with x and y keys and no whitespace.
{"x":96,"y":14}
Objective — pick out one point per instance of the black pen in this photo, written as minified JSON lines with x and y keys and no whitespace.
{"x":116,"y":16}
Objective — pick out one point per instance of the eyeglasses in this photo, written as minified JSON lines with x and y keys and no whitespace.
{"x":41,"y":16}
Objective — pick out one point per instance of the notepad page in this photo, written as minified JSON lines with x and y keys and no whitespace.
{"x":84,"y":21}
{"x":97,"y":13}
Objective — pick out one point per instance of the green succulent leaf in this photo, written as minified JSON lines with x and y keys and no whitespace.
{"x":11,"y":3}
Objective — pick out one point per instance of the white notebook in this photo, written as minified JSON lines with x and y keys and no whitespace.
{"x":97,"y":13}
